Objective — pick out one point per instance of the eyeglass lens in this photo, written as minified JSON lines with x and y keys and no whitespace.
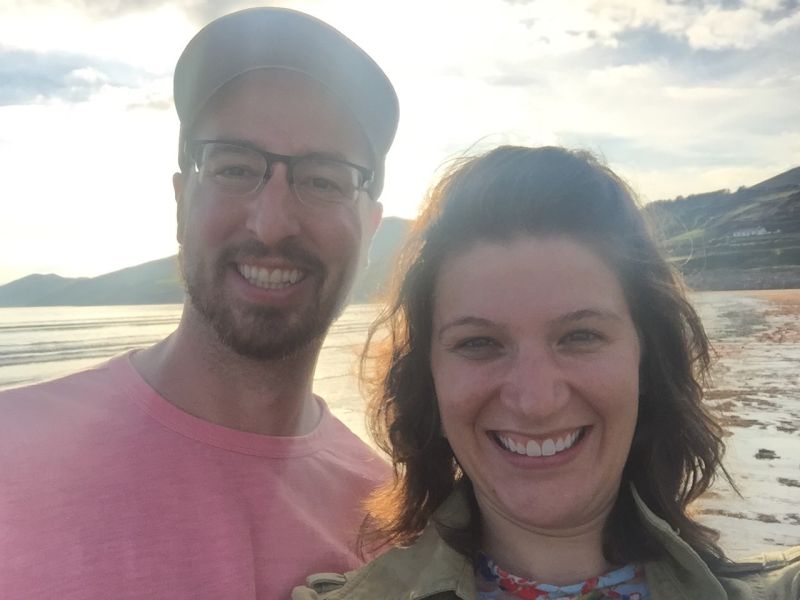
{"x":241,"y":170}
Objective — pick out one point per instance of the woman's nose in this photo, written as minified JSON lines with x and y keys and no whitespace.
{"x":535,"y":384}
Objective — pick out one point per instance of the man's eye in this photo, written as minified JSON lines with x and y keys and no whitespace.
{"x":321,"y":184}
{"x":235,"y":172}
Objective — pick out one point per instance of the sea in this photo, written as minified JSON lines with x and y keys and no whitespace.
{"x":755,"y":389}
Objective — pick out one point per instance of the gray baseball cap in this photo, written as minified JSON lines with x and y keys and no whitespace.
{"x":269,"y":37}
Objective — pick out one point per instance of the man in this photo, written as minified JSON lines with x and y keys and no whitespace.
{"x":204,"y":466}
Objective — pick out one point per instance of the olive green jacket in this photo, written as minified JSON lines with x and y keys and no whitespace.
{"x":430,"y":569}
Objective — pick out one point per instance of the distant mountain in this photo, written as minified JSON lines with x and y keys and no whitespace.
{"x":383,"y":255}
{"x":787,"y":178}
{"x":155,"y":282}
{"x":34,"y":290}
{"x":159,"y":281}
{"x":746,"y":239}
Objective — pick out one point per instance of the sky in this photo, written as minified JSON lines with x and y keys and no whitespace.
{"x":678,"y":97}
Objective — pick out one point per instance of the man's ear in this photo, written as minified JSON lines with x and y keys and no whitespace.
{"x":370,"y":219}
{"x":376,"y":212}
{"x":179,"y":186}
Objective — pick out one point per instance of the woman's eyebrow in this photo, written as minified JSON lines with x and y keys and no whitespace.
{"x":475,"y":321}
{"x":570,"y":317}
{"x":589,"y":313}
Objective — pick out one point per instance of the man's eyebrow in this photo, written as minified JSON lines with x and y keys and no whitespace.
{"x":320,"y":154}
{"x":235,"y":142}
{"x":336,"y":156}
{"x":476,"y":321}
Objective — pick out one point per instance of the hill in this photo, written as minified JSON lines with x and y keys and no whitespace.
{"x":747,"y":239}
{"x":159,"y":281}
{"x":787,"y":178}
{"x":383,"y":255}
{"x":154,"y":282}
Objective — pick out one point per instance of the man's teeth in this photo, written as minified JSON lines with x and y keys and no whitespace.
{"x":548,"y":446}
{"x":269,"y":278}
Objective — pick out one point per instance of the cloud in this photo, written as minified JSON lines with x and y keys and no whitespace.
{"x":745,"y":27}
{"x":198,"y":11}
{"x":702,"y":24}
{"x":35,"y":77}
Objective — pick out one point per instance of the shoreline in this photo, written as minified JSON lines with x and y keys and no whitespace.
{"x":742,"y":280}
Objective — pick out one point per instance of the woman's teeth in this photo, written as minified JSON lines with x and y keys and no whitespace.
{"x":547,"y":447}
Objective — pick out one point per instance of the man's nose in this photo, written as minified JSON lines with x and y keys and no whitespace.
{"x":535,"y":385}
{"x":273,"y":210}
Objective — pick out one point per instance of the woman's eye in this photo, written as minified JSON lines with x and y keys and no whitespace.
{"x":475,"y":343}
{"x":477,"y":347}
{"x":583,"y":337}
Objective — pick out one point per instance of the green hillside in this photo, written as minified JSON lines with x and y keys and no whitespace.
{"x":749,"y":238}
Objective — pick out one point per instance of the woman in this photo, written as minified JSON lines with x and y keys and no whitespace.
{"x":541,"y":402}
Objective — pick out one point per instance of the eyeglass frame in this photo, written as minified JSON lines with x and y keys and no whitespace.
{"x":271,"y":158}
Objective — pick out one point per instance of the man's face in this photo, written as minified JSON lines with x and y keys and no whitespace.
{"x":267,"y":272}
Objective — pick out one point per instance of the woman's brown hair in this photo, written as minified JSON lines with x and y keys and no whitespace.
{"x":511,"y":191}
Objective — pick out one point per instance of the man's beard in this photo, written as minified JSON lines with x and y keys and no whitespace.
{"x":259,"y":332}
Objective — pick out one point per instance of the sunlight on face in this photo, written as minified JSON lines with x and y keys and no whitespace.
{"x":535,"y":360}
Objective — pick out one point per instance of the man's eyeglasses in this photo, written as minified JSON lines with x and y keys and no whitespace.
{"x":238,"y":170}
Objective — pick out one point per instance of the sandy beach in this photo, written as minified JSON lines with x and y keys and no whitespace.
{"x":755,"y":390}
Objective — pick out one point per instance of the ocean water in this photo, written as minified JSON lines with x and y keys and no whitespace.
{"x":755,"y":388}
{"x":44,"y":342}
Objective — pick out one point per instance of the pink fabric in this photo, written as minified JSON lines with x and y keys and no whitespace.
{"x":108,"y":491}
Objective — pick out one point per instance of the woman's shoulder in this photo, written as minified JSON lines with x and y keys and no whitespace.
{"x":428,"y":568}
{"x":770,"y":576}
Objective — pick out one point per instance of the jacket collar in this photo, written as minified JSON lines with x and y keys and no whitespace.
{"x":426,"y":568}
{"x":682,"y":572}
{"x":430,"y":566}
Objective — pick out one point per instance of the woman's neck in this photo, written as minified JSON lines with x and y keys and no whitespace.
{"x":556,"y":557}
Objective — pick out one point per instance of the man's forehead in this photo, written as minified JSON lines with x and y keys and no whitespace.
{"x":290,"y":107}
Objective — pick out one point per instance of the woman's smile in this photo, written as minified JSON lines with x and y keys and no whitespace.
{"x":538,"y":446}
{"x":537,"y":386}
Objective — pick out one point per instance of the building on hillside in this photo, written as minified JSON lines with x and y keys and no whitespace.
{"x":749,"y":232}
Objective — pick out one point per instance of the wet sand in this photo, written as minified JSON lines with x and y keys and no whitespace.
{"x":755,"y":390}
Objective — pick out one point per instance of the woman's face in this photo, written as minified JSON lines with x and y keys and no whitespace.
{"x":535,"y":360}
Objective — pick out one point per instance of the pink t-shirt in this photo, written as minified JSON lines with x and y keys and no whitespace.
{"x":109,"y":491}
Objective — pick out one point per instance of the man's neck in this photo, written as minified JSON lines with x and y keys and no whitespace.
{"x":196,"y":373}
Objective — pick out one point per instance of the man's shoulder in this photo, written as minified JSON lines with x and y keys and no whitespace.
{"x":341,"y":443}
{"x":78,"y":382}
{"x":62,"y":399}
